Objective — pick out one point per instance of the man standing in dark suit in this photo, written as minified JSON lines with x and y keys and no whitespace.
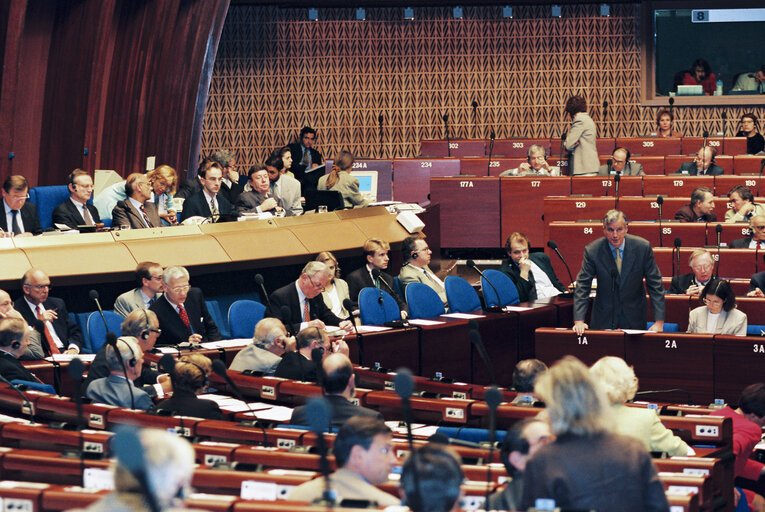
{"x":305,"y":160}
{"x":339,"y":386}
{"x":703,"y":165}
{"x":136,"y":211}
{"x":532,"y":274}
{"x":375,"y":258}
{"x":703,"y":266}
{"x":756,"y":239}
{"x":48,"y":314}
{"x":19,"y":216}
{"x":207,"y":202}
{"x":14,"y":339}
{"x":304,"y":301}
{"x":76,"y":211}
{"x":620,"y":262}
{"x":700,"y":208}
{"x":182,"y":312}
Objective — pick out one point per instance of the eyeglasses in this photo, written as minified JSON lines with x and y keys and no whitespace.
{"x":758,"y":227}
{"x":181,"y":289}
{"x":40,"y":286}
{"x":17,"y":197}
{"x":156,"y":278}
{"x":319,"y":286}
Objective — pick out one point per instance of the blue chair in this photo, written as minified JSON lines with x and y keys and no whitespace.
{"x":423,"y":301}
{"x":474,"y":435}
{"x":96,"y":330}
{"x":755,"y":330}
{"x":398,"y":288}
{"x":81,"y":319}
{"x":668,"y":326}
{"x":508,"y":293}
{"x":46,"y":199}
{"x":374,"y":313}
{"x":220,"y":321}
{"x":243,"y":315}
{"x":461,"y":296}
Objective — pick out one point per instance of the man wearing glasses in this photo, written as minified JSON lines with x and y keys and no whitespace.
{"x":149,"y":277}
{"x":136,"y":212}
{"x":19,"y":217}
{"x":692,"y":283}
{"x":754,"y":241}
{"x":76,"y":211}
{"x":182,"y":312}
{"x":304,"y":302}
{"x":48,"y":315}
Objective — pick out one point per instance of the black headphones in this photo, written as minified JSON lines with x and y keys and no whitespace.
{"x":16,"y":345}
{"x":205,"y":378}
{"x":544,"y":153}
{"x":145,"y":333}
{"x":132,"y":362}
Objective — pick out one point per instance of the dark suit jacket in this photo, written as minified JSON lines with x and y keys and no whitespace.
{"x":288,"y":296}
{"x":308,"y":181}
{"x":757,"y":281}
{"x":124,"y":214}
{"x":28,"y":218}
{"x":67,"y":213}
{"x":174,"y":331}
{"x":690,"y":169}
{"x":186,"y":403}
{"x":192,"y":186}
{"x":342,"y":409}
{"x":741,"y":243}
{"x":360,"y":279}
{"x":681,"y":283}
{"x":619,"y":303}
{"x":685,"y":214}
{"x":527,"y":290}
{"x":296,"y":366}
{"x":66,"y":330}
{"x":11,"y":368}
{"x":196,"y":204}
{"x":249,"y":201}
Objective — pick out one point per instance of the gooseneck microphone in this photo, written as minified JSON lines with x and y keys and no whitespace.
{"x":403,"y":384}
{"x":220,"y":369}
{"x":676,"y":259}
{"x":111,"y":339}
{"x":445,"y":117}
{"x":477,"y":341}
{"x":671,"y":103}
{"x":492,"y":136}
{"x":718,"y":230}
{"x":319,"y":416}
{"x":554,"y":246}
{"x":609,"y":167}
{"x":706,"y":136}
{"x":27,"y":402}
{"x":498,"y":307}
{"x":617,"y":178}
{"x":94,"y":297}
{"x":605,"y":118}
{"x":660,"y":202}
{"x":380,"y":121}
{"x":493,"y":398}
{"x":259,"y":282}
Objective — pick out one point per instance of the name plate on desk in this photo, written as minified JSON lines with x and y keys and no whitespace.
{"x":163,"y":232}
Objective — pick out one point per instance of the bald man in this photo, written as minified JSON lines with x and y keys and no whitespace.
{"x":339,"y":386}
{"x":269,"y":343}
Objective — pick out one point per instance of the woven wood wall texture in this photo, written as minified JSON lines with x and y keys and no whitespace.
{"x":276,"y":72}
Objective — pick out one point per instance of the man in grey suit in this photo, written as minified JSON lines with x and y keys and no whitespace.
{"x":136,"y":211}
{"x":619,"y":163}
{"x":149,"y":277}
{"x":269,"y":342}
{"x":416,"y":270}
{"x":283,"y":186}
{"x":115,"y":389}
{"x":620,"y":262}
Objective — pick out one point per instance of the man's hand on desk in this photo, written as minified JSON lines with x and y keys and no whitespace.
{"x":316,"y":323}
{"x":658,"y":326}
{"x":195,"y":338}
{"x":72,"y":351}
{"x":755,"y":293}
{"x":346,"y":325}
{"x":580,"y":327}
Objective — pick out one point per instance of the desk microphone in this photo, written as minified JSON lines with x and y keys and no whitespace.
{"x":491,"y":152}
{"x":718,"y":229}
{"x":27,"y":402}
{"x":498,"y":307}
{"x":756,"y":258}
{"x":676,"y":259}
{"x":94,"y":297}
{"x":319,"y":416}
{"x":445,"y":117}
{"x":724,"y":116}
{"x":660,"y":202}
{"x":220,"y":369}
{"x":286,"y":314}
{"x":605,"y":117}
{"x":259,"y":282}
{"x":130,"y":454}
{"x":706,"y":136}
{"x":609,"y":169}
{"x":554,"y":246}
{"x":617,"y":178}
{"x":111,"y":339}
{"x":671,"y":103}
{"x":475,"y":339}
{"x":759,"y":178}
{"x":493,"y":398}
{"x":403,"y":384}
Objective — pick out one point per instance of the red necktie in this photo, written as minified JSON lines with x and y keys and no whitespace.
{"x":146,"y":218}
{"x":48,"y":336}
{"x":306,"y":312}
{"x":184,"y":316}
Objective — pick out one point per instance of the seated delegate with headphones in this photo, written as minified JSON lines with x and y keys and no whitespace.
{"x":703,"y":164}
{"x":619,"y":163}
{"x":14,"y":339}
{"x":535,"y":164}
{"x":125,"y":365}
{"x":190,"y":378}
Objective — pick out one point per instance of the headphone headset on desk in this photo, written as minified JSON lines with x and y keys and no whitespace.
{"x":146,"y":332}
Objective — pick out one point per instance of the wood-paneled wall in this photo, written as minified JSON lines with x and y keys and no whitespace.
{"x":276,"y":71}
{"x":102,"y":84}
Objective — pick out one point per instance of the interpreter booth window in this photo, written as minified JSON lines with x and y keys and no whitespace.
{"x":709,"y":52}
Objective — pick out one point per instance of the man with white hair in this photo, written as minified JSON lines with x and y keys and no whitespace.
{"x":269,"y":342}
{"x":692,"y":283}
{"x":182,"y":312}
{"x":304,"y":301}
{"x":115,"y":388}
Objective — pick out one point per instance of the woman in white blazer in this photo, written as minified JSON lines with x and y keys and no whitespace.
{"x":719,"y":314}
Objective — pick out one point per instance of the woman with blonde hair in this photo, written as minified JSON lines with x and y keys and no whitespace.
{"x":336,"y":290}
{"x":164,"y":183}
{"x":340,"y":179}
{"x":620,"y":385}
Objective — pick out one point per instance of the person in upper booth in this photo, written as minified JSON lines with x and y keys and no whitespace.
{"x":755,"y":142}
{"x":260,"y":199}
{"x":620,"y":164}
{"x":532,"y":273}
{"x":19,"y":216}
{"x":76,"y":211}
{"x":700,"y":208}
{"x":136,"y":211}
{"x":757,"y":238}
{"x":535,"y":164}
{"x":341,"y":180}
{"x":284,"y":186}
{"x":718,"y":315}
{"x":306,"y":160}
{"x":741,"y":205}
{"x":701,"y":74}
{"x":703,"y":164}
{"x":692,"y":283}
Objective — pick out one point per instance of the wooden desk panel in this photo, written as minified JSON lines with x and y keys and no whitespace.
{"x":604,"y":145}
{"x":329,"y":236}
{"x":673,"y":360}
{"x":541,"y":315}
{"x":264,"y":244}
{"x":184,"y":250}
{"x":723,"y":184}
{"x":734,"y":263}
{"x":734,"y":146}
{"x":500,"y":333}
{"x":650,"y":145}
{"x":747,"y":164}
{"x":738,"y":363}
{"x":155,"y":233}
{"x":514,"y":148}
{"x":521,"y":201}
{"x":677,"y":185}
{"x":482,"y":167}
{"x":606,"y":186}
{"x":380,"y":226}
{"x":754,"y":307}
{"x":411,"y":177}
{"x":691,"y":145}
{"x":476,"y":199}
{"x":652,"y":165}
{"x":15,"y":261}
{"x":692,"y":234}
{"x":243,"y":228}
{"x":455,"y":148}
{"x":552,"y":344}
{"x":446,"y":348}
{"x":571,"y":238}
{"x":392,"y":349}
